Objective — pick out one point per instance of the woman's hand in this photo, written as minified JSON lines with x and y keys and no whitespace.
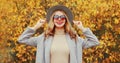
{"x":79,"y":25}
{"x":39,"y":24}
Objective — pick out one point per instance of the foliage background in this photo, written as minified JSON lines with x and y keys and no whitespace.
{"x":102,"y":16}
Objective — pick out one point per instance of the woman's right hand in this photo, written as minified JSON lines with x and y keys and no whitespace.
{"x":39,"y":24}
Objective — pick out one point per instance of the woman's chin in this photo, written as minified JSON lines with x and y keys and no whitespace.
{"x":59,"y":26}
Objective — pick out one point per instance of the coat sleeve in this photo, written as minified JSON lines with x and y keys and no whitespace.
{"x":90,"y":39}
{"x":26,"y":37}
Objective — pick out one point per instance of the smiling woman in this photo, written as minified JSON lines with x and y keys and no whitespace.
{"x":59,"y":53}
{"x":59,"y":43}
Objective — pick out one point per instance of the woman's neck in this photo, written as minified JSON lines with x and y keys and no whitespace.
{"x":59,"y":31}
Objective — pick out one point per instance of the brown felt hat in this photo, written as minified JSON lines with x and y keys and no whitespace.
{"x":60,"y":7}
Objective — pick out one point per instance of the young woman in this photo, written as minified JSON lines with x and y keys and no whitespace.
{"x":59,"y":43}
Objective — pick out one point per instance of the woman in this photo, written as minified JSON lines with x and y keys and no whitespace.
{"x":59,"y":43}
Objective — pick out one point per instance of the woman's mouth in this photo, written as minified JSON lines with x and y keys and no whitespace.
{"x":59,"y":23}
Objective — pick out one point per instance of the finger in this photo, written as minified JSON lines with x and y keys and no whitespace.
{"x":42,"y":21}
{"x":45,"y":20}
{"x":80,"y":22}
{"x":75,"y":22}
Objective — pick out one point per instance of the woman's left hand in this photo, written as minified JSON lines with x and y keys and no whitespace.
{"x":79,"y":25}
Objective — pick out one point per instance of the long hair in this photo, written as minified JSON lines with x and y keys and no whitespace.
{"x":50,"y":30}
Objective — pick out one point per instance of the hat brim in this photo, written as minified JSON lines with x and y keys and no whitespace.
{"x":59,"y":7}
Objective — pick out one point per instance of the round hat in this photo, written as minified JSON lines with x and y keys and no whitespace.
{"x":59,"y":7}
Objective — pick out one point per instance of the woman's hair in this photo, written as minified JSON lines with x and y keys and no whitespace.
{"x":50,"y":30}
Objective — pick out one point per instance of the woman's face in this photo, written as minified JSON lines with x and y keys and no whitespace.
{"x":59,"y":19}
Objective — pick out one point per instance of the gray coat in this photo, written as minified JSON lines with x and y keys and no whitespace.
{"x":43,"y":53}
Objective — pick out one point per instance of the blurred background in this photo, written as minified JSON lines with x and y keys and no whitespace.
{"x":101,"y":16}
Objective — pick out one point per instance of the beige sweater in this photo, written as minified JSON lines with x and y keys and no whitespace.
{"x":59,"y":50}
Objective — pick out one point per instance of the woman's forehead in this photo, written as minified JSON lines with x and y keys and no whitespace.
{"x":59,"y":13}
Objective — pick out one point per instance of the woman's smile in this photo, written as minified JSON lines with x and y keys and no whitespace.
{"x":59,"y":23}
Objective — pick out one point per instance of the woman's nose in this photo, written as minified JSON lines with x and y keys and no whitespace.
{"x":59,"y":18}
